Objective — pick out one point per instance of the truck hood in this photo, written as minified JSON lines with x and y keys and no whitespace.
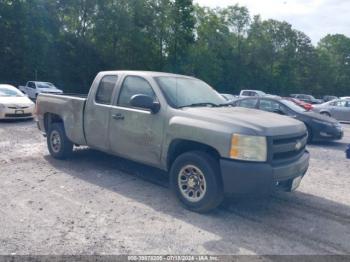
{"x":50,"y":90}
{"x":247,"y":121}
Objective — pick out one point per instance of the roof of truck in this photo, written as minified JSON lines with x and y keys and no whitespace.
{"x":144,"y":73}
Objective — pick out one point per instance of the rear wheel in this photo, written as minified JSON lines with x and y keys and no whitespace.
{"x":58,"y":143}
{"x":194,"y":178}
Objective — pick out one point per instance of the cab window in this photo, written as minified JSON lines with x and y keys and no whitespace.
{"x":105,"y":90}
{"x":134,"y":85}
{"x":31,"y":85}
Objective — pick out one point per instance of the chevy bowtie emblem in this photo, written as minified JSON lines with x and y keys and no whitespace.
{"x":298,"y":145}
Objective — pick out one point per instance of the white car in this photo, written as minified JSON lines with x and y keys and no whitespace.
{"x":14,"y":104}
{"x":247,"y":93}
{"x":34,"y":88}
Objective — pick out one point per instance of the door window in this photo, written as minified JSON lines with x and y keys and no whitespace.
{"x":134,"y":85}
{"x":31,"y":85}
{"x":269,"y":105}
{"x":105,"y":90}
{"x":248,"y":103}
{"x":340,"y":103}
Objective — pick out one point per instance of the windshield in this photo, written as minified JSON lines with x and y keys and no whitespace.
{"x":45,"y":85}
{"x":182,"y":92}
{"x":260,"y":93}
{"x":7,"y":92}
{"x":293,"y":106}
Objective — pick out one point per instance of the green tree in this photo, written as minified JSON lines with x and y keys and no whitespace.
{"x":181,"y":34}
{"x":334,"y":64}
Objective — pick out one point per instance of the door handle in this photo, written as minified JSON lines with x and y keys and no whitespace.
{"x":118,"y":117}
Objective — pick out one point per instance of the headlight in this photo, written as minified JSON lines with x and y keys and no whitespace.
{"x":248,"y":148}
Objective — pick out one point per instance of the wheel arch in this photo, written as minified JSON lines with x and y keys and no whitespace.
{"x":180,"y":146}
{"x":325,"y":112}
{"x":50,"y":118}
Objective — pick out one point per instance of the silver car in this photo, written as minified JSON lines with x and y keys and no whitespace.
{"x":338,"y":109}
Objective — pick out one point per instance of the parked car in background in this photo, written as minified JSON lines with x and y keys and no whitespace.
{"x":34,"y":88}
{"x":307,"y":98}
{"x":229,"y":98}
{"x":338,"y":109}
{"x":181,"y":125}
{"x":247,"y":93}
{"x":303,"y":104}
{"x":14,"y":104}
{"x":329,"y":98}
{"x":319,"y":127}
{"x":345,"y":97}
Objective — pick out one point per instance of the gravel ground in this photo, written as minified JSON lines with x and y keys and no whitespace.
{"x":99,"y":204}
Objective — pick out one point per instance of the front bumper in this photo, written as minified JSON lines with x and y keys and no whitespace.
{"x":323,"y":132}
{"x":261,"y":178}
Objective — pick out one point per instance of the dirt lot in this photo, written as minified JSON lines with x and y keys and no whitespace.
{"x":98,"y":204}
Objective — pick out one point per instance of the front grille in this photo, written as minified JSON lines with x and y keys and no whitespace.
{"x":286,"y":148}
{"x":18,"y":115}
{"x":18,"y":107}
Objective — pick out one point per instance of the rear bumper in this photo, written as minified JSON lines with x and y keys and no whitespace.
{"x":260,"y":178}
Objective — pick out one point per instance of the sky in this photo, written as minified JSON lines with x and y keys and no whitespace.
{"x":316,"y":18}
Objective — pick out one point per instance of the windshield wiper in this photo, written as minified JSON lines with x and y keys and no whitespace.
{"x":200,"y":104}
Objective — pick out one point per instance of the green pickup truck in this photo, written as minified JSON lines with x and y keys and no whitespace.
{"x":181,"y":125}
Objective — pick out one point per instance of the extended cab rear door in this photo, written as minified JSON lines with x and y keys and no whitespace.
{"x":97,"y":112}
{"x":135,"y":133}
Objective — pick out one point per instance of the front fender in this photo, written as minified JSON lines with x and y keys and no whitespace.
{"x":214,"y":135}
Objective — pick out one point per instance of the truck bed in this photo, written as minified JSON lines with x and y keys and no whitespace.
{"x":74,"y":95}
{"x":69,"y":108}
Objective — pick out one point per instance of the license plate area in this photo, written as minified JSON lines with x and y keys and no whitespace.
{"x":19,"y":112}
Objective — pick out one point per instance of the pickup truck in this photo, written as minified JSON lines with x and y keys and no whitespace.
{"x":183,"y":126}
{"x":33,"y":88}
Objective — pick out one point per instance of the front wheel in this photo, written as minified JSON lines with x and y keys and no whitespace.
{"x":194,"y":178}
{"x":58,"y":143}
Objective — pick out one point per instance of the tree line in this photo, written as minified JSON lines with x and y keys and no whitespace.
{"x":68,"y":41}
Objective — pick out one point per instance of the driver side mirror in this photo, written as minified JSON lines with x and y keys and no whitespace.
{"x":146,"y":102}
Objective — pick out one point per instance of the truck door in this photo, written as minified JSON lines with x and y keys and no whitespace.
{"x":97,"y":111}
{"x":136,"y":133}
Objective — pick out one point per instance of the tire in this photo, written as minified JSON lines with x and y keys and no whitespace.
{"x":310,"y":137}
{"x":58,"y":143}
{"x":206,"y":195}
